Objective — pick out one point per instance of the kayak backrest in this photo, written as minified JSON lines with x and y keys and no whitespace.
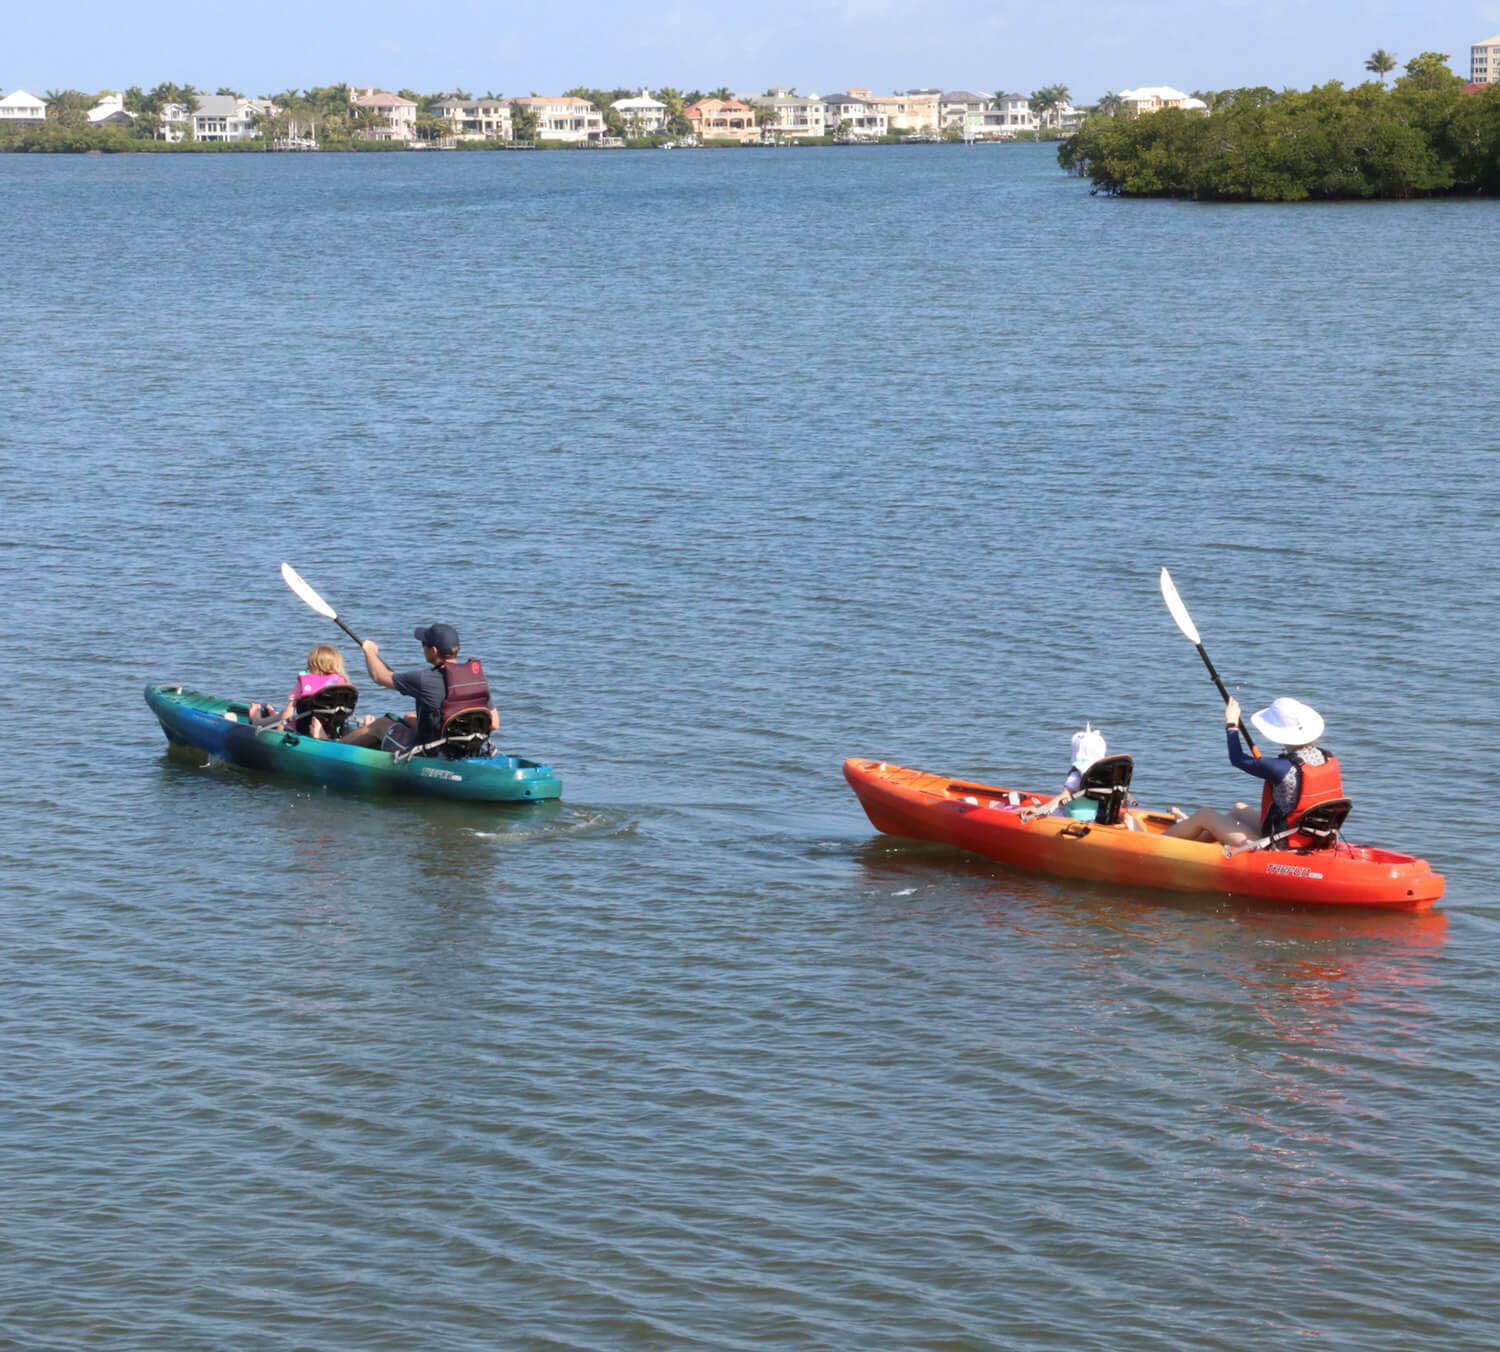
{"x":1316,"y":829}
{"x":331,"y":706}
{"x":1107,"y":782}
{"x":463,"y":734}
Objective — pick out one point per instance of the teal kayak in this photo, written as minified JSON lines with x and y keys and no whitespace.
{"x":221,"y":728}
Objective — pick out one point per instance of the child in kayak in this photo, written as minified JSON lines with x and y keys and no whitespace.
{"x":325,"y":667}
{"x":1303,"y":774}
{"x":1085,"y":748}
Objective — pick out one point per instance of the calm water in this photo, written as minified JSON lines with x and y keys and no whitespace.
{"x":730,"y":466}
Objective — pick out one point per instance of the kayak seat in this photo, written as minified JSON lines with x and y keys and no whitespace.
{"x":1107,"y":783}
{"x":331,"y":706}
{"x":1321,"y":823}
{"x":465,"y":734}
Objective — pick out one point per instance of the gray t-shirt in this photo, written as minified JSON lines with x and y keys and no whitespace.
{"x":427,"y":686}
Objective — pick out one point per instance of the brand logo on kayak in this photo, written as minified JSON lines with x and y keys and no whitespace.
{"x":1292,"y":871}
{"x":440,"y":774}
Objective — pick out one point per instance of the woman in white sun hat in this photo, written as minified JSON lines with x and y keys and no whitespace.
{"x":1303,"y":775}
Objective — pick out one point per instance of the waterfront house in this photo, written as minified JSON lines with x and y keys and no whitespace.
{"x":1015,"y":113}
{"x":396,"y":117}
{"x":227,"y":117}
{"x":565,"y":118}
{"x":722,"y":120}
{"x":642,"y":116}
{"x":20,"y":109}
{"x":110,"y":112}
{"x":793,"y":115}
{"x":1152,"y":99}
{"x":1484,"y":61}
{"x":914,"y":111}
{"x":853,"y":115}
{"x":476,"y":119}
{"x":956,"y":106}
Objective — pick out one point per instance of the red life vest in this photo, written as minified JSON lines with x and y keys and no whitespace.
{"x":464,"y":688}
{"x":1315,"y":784}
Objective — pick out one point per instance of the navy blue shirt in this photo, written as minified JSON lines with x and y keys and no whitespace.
{"x":1279,"y":772}
{"x":427,"y":686}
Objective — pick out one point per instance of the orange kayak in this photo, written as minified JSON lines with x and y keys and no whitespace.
{"x":988,"y":821}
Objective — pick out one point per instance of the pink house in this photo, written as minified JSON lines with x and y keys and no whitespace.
{"x":399,"y":115}
{"x":722,"y":120}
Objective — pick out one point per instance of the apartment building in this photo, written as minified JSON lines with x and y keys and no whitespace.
{"x":1484,"y":61}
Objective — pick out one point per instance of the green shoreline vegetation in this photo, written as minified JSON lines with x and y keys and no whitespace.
{"x":1427,"y":136}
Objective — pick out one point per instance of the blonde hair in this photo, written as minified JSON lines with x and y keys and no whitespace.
{"x":325,"y":661}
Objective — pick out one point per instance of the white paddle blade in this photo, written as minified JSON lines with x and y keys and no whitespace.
{"x":292,"y":580}
{"x":1179,"y":611}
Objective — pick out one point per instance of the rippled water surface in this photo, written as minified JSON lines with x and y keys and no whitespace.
{"x":730,"y":466}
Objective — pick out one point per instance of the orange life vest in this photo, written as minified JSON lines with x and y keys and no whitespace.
{"x":1315,"y":784}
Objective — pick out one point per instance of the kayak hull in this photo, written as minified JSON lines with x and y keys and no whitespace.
{"x":987,"y":821}
{"x":220,"y":728}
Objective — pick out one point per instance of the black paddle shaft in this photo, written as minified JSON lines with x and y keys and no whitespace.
{"x":1244,"y":731}
{"x":361,"y":643}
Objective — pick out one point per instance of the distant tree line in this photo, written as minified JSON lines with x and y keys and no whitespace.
{"x":1423,"y":137}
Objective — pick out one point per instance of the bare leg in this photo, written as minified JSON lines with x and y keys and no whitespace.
{"x":370,"y":734}
{"x":1234,"y":827}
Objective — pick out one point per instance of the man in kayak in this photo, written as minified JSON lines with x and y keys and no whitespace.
{"x":1303,"y":775}
{"x":441,"y":688}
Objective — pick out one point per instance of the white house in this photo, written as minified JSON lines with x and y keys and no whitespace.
{"x":643,"y":116}
{"x":18,"y":108}
{"x":225,"y":117}
{"x":566,"y":118}
{"x":110,"y":112}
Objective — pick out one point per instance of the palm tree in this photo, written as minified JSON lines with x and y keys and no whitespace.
{"x":1111,"y":105}
{"x":1047,"y":100}
{"x":1381,"y":63}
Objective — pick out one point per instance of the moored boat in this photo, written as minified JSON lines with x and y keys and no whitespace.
{"x":221,"y":729}
{"x":995,"y":822}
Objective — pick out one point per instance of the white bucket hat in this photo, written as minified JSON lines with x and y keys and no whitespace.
{"x":1087,"y":747}
{"x":1290,"y":722}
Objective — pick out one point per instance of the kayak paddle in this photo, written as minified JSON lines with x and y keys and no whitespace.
{"x":290,"y":576}
{"x":1190,"y":631}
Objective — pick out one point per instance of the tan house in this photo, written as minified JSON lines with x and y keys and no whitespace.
{"x":722,"y":120}
{"x":20,"y":109}
{"x":476,"y":119}
{"x":914,"y":111}
{"x":1484,"y":61}
{"x":1153,"y":98}
{"x":565,"y":118}
{"x":398,"y":116}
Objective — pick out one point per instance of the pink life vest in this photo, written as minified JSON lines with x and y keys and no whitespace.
{"x":310,"y":682}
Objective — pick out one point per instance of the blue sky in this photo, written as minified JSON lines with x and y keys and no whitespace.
{"x":809,"y":45}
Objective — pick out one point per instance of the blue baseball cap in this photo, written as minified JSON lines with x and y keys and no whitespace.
{"x":443,"y":637}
